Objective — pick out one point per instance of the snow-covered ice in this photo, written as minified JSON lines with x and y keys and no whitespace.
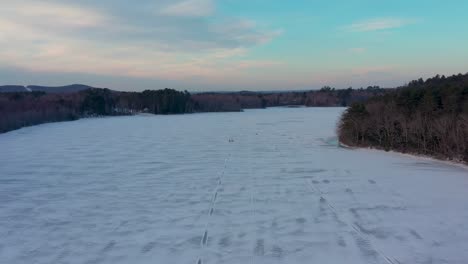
{"x":263,"y":186}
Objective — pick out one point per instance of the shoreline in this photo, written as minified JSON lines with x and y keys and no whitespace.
{"x":169,"y":114}
{"x":459,"y":164}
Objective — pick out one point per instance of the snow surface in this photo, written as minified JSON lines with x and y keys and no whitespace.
{"x":174,"y":189}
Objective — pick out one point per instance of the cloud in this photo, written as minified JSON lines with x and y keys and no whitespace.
{"x":357,"y":50}
{"x":258,"y":64}
{"x":53,"y":15}
{"x":54,"y":37}
{"x":372,"y":69}
{"x":378,"y":24}
{"x":190,"y":8}
{"x":244,"y":32}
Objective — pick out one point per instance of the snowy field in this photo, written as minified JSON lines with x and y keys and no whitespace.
{"x":174,"y":189}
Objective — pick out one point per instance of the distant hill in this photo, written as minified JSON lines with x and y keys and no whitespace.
{"x":47,"y":89}
{"x":13,"y":89}
{"x":60,"y":89}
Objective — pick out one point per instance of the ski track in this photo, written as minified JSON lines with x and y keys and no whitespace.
{"x":362,"y":236}
{"x":204,"y":240}
{"x":262,"y":187}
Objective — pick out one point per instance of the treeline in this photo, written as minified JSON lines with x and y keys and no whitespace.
{"x":326,"y":97}
{"x":425,"y":117}
{"x":20,"y":109}
{"x":31,"y":108}
{"x":160,"y":102}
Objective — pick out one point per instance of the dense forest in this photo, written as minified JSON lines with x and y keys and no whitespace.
{"x":53,"y":104}
{"x":31,"y":108}
{"x":425,"y":117}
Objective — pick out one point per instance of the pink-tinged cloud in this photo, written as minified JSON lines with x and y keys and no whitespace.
{"x":45,"y":37}
{"x":53,"y":14}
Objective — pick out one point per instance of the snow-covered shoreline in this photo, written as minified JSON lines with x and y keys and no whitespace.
{"x":460,"y":164}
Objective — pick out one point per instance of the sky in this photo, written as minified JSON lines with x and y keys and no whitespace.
{"x":220,"y":45}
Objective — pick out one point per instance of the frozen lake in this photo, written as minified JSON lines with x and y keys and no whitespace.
{"x":174,"y":189}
